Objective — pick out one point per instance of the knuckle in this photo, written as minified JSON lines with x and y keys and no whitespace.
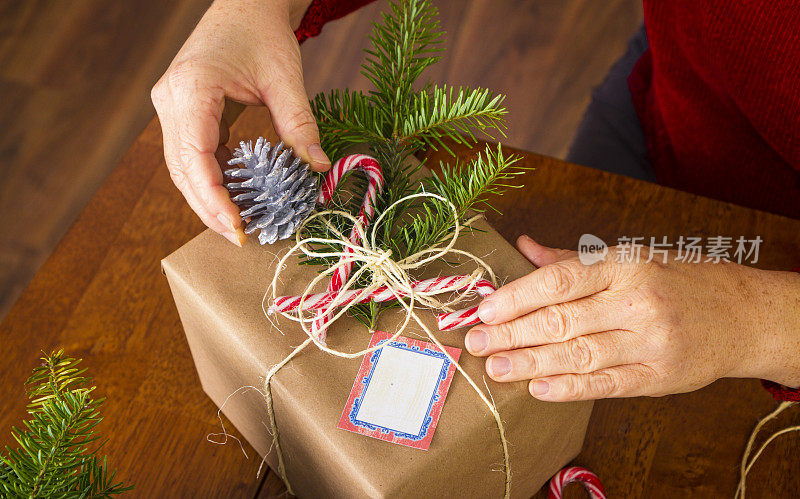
{"x":556,"y":281}
{"x":657,"y":306}
{"x":158,"y":94}
{"x":178,"y":177}
{"x":573,"y":389}
{"x":533,"y":362}
{"x":604,"y":384}
{"x":661,"y":343}
{"x":180,"y":77}
{"x":299,"y":120}
{"x":510,"y":335}
{"x":556,"y":324}
{"x":647,"y":299}
{"x":581,"y":355}
{"x":510,"y":298}
{"x":193,"y":87}
{"x":655,"y":262}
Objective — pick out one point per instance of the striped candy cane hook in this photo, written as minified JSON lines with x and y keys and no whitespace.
{"x":576,"y":474}
{"x":468,"y":316}
{"x":445,"y":321}
{"x":340,"y":168}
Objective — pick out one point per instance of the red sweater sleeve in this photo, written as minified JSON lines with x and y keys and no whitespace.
{"x":322,"y":11}
{"x":779,"y":391}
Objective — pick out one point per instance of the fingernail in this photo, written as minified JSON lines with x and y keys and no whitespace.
{"x":477,"y":340}
{"x":241,"y":236}
{"x":317,"y":155}
{"x":224,"y":220}
{"x":540,"y":387}
{"x":499,"y":366}
{"x":230,"y":236}
{"x":486,"y":311}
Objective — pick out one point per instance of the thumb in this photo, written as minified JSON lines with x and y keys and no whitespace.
{"x":293,"y":120}
{"x":541,"y":255}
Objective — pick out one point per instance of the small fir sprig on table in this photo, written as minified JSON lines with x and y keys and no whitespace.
{"x":398,"y":118}
{"x":54,"y":457}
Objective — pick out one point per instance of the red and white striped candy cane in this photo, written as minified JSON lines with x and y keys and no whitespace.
{"x":466,"y":317}
{"x":445,"y":321}
{"x":372,"y":169}
{"x":576,"y":474}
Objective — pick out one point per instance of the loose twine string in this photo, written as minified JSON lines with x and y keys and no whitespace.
{"x":747,"y":463}
{"x":383,"y":271}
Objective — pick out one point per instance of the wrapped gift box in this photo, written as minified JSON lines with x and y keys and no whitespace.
{"x":218,"y":290}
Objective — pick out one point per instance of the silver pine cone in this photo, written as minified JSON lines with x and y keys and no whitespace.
{"x":276,"y":191}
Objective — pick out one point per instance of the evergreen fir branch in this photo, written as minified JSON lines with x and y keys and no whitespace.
{"x":346,"y":118}
{"x":403,"y":46}
{"x":53,"y":458}
{"x":444,"y":112}
{"x":468,"y":187}
{"x":394,"y":122}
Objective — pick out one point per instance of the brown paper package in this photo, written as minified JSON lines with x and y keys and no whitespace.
{"x":218,"y":290}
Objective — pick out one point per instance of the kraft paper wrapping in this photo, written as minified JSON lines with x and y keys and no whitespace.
{"x":218,"y":290}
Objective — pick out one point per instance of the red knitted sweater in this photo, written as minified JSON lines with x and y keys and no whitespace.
{"x":718,"y":95}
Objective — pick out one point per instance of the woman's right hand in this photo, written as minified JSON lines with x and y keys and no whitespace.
{"x":244,"y":50}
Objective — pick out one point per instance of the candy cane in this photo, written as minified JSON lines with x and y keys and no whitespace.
{"x":463,"y":318}
{"x":446,"y":321}
{"x":372,"y":169}
{"x":576,"y":474}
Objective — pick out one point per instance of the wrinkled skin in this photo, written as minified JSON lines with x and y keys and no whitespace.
{"x":244,"y":50}
{"x":612,"y":329}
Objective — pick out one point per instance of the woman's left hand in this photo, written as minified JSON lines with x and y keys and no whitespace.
{"x":614,"y":329}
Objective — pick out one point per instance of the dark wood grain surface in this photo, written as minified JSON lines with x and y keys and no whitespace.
{"x":101,"y":297}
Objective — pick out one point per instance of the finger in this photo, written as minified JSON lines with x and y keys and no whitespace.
{"x":286,"y":98}
{"x":558,"y":282}
{"x":552,"y":324}
{"x":183,"y":185}
{"x":630,"y":380}
{"x":541,"y":255}
{"x":196,"y":141}
{"x":581,"y":355}
{"x":170,"y":114}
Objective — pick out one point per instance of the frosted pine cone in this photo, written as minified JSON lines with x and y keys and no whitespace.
{"x":277,"y":192}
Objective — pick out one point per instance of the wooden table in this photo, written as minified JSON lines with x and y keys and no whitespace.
{"x":101,"y":297}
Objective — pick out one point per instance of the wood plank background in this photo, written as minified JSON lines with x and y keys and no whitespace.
{"x":75,"y":79}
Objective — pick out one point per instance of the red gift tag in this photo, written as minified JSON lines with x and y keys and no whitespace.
{"x":399,"y":391}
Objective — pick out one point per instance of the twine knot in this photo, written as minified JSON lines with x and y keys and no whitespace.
{"x":387,"y":276}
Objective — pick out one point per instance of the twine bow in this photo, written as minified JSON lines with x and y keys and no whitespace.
{"x":385,"y":274}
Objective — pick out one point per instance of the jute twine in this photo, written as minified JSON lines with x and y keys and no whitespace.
{"x":382,"y":270}
{"x":747,"y":463}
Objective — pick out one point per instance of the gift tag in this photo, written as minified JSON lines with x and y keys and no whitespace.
{"x":399,"y":391}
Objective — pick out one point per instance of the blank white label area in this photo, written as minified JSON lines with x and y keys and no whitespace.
{"x":400,"y":391}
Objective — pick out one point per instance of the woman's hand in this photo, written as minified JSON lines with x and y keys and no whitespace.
{"x":628,"y":329}
{"x":244,"y":50}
